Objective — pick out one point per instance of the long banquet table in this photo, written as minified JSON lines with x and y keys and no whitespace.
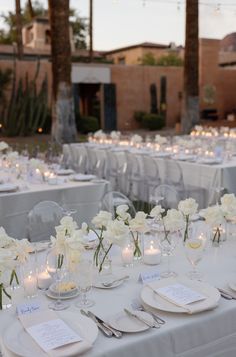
{"x":206,"y":334}
{"x":85,"y":197}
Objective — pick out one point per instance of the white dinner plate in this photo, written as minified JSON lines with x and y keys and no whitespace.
{"x":161,"y":154}
{"x":18,"y":341}
{"x":69,"y":295}
{"x":184,"y":157}
{"x":8,"y":187}
{"x":232,"y":285}
{"x":83,"y":177}
{"x":99,"y":280}
{"x":126,"y":323}
{"x":153,"y":300}
{"x":64,"y":172}
{"x":209,"y":161}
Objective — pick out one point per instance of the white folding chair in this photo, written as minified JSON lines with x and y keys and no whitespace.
{"x":111,"y":200}
{"x":42,"y":220}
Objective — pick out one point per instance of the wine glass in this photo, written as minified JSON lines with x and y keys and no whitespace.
{"x":84,"y":280}
{"x":194,"y":248}
{"x":57,"y":273}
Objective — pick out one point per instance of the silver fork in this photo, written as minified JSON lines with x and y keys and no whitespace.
{"x":136,"y":305}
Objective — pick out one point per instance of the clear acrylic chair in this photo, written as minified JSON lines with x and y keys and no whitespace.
{"x":79,"y":158}
{"x":66,"y":156}
{"x":165,"y":195}
{"x":42,"y":220}
{"x":151,"y":177}
{"x":113,"y":199}
{"x":174,"y":177}
{"x":92,"y":160}
{"x":135,"y":178}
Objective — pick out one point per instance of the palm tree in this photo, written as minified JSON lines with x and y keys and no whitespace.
{"x":190,"y":109}
{"x":63,"y":116}
{"x":19,"y":30}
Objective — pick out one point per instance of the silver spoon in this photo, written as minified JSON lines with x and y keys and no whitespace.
{"x":110,"y":283}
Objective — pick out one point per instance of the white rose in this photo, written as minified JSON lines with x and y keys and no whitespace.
{"x":99,"y":134}
{"x":117,"y":232}
{"x":3,"y":145}
{"x":173,"y":221}
{"x":213,"y":216}
{"x":5,"y":240}
{"x":75,"y":240}
{"x":21,"y":249}
{"x":85,"y":229}
{"x":136,"y":139}
{"x":188,"y":207}
{"x":228,"y":205}
{"x":68,"y":224}
{"x":7,"y":260}
{"x":122,"y":213}
{"x":101,"y":219}
{"x":160,"y":139}
{"x":115,"y":135}
{"x":156,"y":212}
{"x":139,"y":223}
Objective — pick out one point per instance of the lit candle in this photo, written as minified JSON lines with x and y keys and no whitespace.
{"x":30,"y":284}
{"x":127,"y":255}
{"x":152,"y":255}
{"x":44,"y":280}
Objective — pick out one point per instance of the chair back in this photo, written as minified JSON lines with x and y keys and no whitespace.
{"x":111,"y":200}
{"x":42,"y":220}
{"x":165,"y":195}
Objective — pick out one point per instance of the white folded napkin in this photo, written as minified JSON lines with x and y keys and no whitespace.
{"x":74,"y":349}
{"x":190,"y":308}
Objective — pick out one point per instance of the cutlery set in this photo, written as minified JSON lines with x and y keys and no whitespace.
{"x":109,"y":331}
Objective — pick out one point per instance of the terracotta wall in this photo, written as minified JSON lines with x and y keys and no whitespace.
{"x":133,"y":91}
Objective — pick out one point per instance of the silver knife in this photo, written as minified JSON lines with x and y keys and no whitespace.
{"x":116,"y":333}
{"x":137,"y":317}
{"x":104,"y":330}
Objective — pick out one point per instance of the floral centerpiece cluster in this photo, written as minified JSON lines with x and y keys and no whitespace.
{"x":216,"y":216}
{"x":68,"y":242}
{"x":118,"y":231}
{"x":13,"y":253}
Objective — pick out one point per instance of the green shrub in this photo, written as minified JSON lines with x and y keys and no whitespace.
{"x":153,"y":121}
{"x":138,"y":116}
{"x":88,"y":124}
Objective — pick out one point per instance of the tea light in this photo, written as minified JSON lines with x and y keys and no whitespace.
{"x":30,"y":284}
{"x":44,"y":280}
{"x":152,"y":255}
{"x":127,"y":255}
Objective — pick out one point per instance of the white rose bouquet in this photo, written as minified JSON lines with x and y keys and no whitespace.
{"x":188,"y":208}
{"x":214,"y":217}
{"x":137,"y":226}
{"x":12,"y":253}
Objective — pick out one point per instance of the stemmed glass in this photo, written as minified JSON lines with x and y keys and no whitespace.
{"x":84,"y":280}
{"x":194,"y":248}
{"x":57,"y":273}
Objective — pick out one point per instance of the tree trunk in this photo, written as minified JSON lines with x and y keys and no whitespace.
{"x":19,"y":30}
{"x":190,"y":108}
{"x":31,"y":9}
{"x":63,"y":115}
{"x":91,"y":30}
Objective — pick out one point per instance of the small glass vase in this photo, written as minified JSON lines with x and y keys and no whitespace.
{"x":138,"y":250}
{"x":219,"y":235}
{"x":102,"y":260}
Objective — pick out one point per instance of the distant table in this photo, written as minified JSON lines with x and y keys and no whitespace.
{"x":85,"y":197}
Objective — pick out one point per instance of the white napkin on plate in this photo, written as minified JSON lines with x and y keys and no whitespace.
{"x":74,"y":349}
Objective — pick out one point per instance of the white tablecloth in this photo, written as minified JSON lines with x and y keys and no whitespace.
{"x":207,"y":334}
{"x":85,"y":197}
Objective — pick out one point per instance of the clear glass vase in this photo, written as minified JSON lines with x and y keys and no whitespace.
{"x":138,"y":248}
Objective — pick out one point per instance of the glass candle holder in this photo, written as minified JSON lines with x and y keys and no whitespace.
{"x":44,"y":279}
{"x":30,"y":280}
{"x":127,"y":255}
{"x":152,"y":251}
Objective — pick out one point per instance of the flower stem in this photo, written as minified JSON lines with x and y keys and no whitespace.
{"x":186,"y":228}
{"x":105,"y":255}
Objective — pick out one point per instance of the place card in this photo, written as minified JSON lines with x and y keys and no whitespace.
{"x":180,"y":294}
{"x":53,"y":334}
{"x":29,"y":308}
{"x":148,"y":276}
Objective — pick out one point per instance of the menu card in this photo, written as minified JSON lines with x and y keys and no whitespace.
{"x":180,"y":294}
{"x":52,"y":334}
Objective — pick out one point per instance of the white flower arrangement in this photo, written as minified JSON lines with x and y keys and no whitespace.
{"x":188,"y":208}
{"x":115,"y":135}
{"x":136,"y":139}
{"x":161,"y":140}
{"x":3,"y":146}
{"x":12,"y":253}
{"x":228,"y":206}
{"x":122,"y":213}
{"x":101,"y":220}
{"x":99,"y":134}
